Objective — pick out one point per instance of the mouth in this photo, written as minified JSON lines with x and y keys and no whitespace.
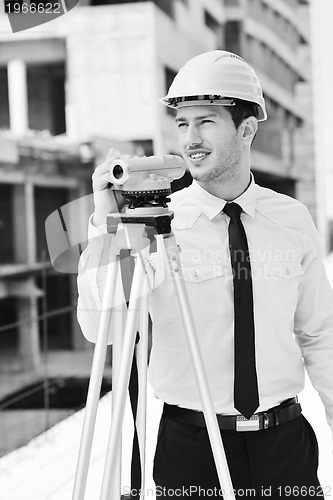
{"x":198,"y":156}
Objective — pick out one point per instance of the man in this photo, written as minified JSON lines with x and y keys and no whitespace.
{"x":261,"y":301}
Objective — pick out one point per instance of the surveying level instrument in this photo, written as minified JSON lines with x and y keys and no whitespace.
{"x":146,"y":219}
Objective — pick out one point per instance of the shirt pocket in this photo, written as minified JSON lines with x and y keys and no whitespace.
{"x":283,"y":280}
{"x":205,"y":289}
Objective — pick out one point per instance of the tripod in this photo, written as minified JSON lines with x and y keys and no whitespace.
{"x":134,"y":232}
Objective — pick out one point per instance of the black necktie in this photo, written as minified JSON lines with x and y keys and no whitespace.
{"x":246,"y":398}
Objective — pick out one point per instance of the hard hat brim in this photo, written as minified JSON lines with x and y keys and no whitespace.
{"x":171,"y":103}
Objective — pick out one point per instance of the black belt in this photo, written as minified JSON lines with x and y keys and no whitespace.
{"x":287,"y":410}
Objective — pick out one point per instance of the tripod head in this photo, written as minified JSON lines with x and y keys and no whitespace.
{"x":145,"y":182}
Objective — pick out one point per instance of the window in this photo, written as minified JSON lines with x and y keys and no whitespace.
{"x":211,"y":22}
{"x":46,"y":97}
{"x":59,"y":328}
{"x":46,"y":201}
{"x":4,"y":103}
{"x":144,"y":147}
{"x":8,"y":315}
{"x":112,"y":2}
{"x":7,"y":251}
{"x":169,"y":75}
{"x":233,"y":37}
{"x":166,"y":5}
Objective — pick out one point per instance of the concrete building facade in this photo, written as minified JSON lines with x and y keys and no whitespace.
{"x":92,"y":79}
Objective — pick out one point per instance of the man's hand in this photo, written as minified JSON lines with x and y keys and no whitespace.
{"x":106,"y":200}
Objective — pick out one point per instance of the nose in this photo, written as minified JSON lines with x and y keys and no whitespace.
{"x":193,"y":136}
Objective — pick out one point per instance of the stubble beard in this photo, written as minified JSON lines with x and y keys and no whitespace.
{"x":225,"y":167}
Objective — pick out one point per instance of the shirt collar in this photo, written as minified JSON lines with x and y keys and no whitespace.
{"x":212,"y":205}
{"x":247,"y":200}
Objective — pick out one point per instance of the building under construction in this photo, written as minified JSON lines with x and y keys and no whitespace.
{"x":91,"y":80}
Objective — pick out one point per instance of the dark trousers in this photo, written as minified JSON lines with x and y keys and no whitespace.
{"x":279,"y":462}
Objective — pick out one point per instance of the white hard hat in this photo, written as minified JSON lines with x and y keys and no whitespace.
{"x":215,"y":77}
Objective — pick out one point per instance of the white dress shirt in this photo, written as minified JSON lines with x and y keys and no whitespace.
{"x":293,"y":301}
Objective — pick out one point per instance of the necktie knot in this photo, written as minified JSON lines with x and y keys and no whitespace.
{"x":233,"y":210}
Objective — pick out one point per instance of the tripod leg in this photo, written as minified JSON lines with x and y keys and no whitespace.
{"x":142,"y":362}
{"x":199,"y":371}
{"x":124,"y":373}
{"x":116,"y":363}
{"x":95,"y":384}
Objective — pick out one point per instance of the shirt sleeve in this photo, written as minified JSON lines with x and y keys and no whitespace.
{"x":314,"y":320}
{"x":93,"y":267}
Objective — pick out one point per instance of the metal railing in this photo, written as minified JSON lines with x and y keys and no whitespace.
{"x":30,"y":401}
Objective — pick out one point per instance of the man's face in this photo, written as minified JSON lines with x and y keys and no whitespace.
{"x":209,"y":142}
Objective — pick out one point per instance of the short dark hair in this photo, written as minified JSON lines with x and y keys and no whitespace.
{"x":242,"y":110}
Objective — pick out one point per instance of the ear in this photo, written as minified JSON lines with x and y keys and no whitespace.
{"x":249,"y":129}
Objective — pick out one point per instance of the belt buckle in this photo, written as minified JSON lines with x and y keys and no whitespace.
{"x":243,"y":424}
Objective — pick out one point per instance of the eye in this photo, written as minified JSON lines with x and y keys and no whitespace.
{"x":181,"y":124}
{"x":207,"y":121}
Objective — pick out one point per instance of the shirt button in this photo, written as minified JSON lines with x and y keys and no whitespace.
{"x":287,"y":271}
{"x":195,"y":275}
